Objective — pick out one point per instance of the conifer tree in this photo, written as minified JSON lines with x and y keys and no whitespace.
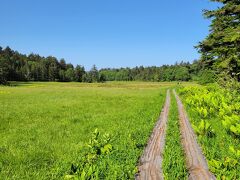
{"x":221,"y":48}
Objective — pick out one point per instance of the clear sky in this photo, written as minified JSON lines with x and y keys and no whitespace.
{"x":108,"y":33}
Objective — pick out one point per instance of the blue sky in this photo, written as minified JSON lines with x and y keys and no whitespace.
{"x":108,"y":33}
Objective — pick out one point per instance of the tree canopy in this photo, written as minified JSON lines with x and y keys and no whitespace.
{"x":220,"y":50}
{"x":15,"y":66}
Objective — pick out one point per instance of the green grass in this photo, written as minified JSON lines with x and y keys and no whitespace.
{"x":173,"y":157}
{"x":43,"y":126}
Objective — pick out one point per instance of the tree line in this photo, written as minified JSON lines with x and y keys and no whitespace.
{"x":183,"y":71}
{"x":15,"y":66}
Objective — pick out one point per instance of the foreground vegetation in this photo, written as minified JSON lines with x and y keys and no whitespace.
{"x":77,"y":130}
{"x":48,"y":129}
{"x":215,"y":117}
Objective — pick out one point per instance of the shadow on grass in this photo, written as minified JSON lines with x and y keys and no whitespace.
{"x":20,"y":83}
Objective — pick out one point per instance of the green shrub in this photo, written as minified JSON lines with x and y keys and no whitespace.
{"x":207,"y":76}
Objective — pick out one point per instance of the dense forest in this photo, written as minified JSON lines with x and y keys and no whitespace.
{"x":15,"y":66}
{"x":183,"y":71}
{"x":220,"y":58}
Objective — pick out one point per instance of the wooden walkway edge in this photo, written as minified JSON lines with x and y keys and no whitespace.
{"x":196,"y":162}
{"x":150,"y":165}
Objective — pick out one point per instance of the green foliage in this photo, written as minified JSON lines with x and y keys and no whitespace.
{"x":97,"y":148}
{"x":3,"y":71}
{"x":177,"y":72}
{"x":215,"y":102}
{"x":215,"y":117}
{"x":220,"y":49}
{"x":93,"y":74}
{"x":207,"y":76}
{"x":226,"y":166}
{"x":232,"y":124}
{"x":204,"y":129}
{"x":229,"y":83}
{"x":102,"y":78}
{"x":69,"y":74}
{"x":18,"y":67}
{"x":79,"y":72}
{"x":182,"y":73}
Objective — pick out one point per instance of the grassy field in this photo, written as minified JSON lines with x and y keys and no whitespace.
{"x":44,"y":125}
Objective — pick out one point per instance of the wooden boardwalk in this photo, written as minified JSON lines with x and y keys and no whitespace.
{"x":150,"y":165}
{"x":151,"y":160}
{"x":196,"y":162}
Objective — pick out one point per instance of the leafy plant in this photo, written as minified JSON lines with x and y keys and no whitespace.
{"x":232,"y":124}
{"x":215,"y":112}
{"x":213,"y":102}
{"x":86,"y":166}
{"x":226,"y":165}
{"x":204,"y":129}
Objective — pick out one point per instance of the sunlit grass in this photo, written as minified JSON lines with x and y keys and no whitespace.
{"x":44,"y":124}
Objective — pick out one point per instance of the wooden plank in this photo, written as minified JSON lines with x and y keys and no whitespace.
{"x":196,"y":162}
{"x":150,"y":166}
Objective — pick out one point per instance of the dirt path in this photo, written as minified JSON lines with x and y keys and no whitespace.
{"x":196,"y":162}
{"x":151,"y":160}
